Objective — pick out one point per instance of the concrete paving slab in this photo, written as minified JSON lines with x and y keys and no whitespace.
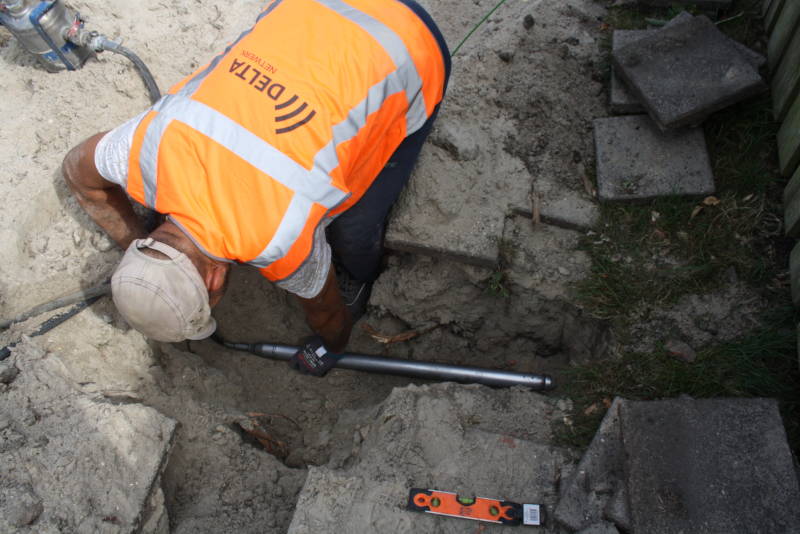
{"x":464,"y":439}
{"x":752,"y":57}
{"x":71,"y":462}
{"x":545,"y":259}
{"x":636,"y":161}
{"x":456,"y":203}
{"x":515,"y":121}
{"x":598,"y":480}
{"x":621,"y":100}
{"x":685,"y":72}
{"x":465,"y":186}
{"x":564,"y":209}
{"x":711,"y":466}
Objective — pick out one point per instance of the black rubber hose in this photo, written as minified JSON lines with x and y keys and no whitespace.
{"x":72,"y":298}
{"x":53,"y":322}
{"x":144,"y":72}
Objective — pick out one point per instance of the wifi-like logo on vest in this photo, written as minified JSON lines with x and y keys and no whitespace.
{"x":292,"y":116}
{"x":288,"y":114}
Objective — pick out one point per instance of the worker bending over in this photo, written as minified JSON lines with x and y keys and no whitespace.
{"x":286,"y":152}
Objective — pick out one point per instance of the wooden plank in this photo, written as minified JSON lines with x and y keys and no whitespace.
{"x":786,"y":81}
{"x":791,"y":206}
{"x":772,"y":14}
{"x":783,"y":32}
{"x":789,"y":140}
{"x":794,"y":270}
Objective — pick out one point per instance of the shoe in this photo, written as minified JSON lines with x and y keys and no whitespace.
{"x":354,"y":292}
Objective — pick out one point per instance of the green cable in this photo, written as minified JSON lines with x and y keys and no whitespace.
{"x":478,"y":25}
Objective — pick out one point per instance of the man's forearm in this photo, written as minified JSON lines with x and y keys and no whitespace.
{"x":115,"y":215}
{"x":106,"y":203}
{"x":327,"y":315}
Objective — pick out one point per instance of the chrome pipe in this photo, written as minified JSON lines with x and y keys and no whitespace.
{"x":410,"y":368}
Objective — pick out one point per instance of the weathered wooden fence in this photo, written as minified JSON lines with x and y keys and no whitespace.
{"x":782,"y":22}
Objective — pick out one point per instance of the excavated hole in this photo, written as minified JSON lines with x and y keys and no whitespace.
{"x":458,"y":320}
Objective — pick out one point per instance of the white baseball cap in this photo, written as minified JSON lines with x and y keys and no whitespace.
{"x":163,"y":298}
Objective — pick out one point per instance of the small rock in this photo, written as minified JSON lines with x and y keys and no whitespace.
{"x":528,"y":22}
{"x":8,"y":372}
{"x":506,"y":56}
{"x":77,"y":238}
{"x":459,"y":141}
{"x":563,"y":271}
{"x":680,"y":350}
{"x":102,"y":242}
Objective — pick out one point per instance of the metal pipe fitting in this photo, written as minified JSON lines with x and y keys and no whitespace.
{"x":414,"y":369}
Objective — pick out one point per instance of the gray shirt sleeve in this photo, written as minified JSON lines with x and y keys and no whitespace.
{"x":310,"y":278}
{"x":111,"y":159}
{"x":113,"y":150}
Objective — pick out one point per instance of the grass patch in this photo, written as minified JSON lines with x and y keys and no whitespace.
{"x":654,"y":253}
{"x":761,"y":364}
{"x":660,"y":251}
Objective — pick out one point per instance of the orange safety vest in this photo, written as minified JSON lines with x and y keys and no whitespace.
{"x":290,"y":125}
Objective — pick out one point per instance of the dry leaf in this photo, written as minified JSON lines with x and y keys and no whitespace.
{"x":591,"y":409}
{"x":388,"y":340}
{"x":273,"y":446}
{"x":710,"y":201}
{"x":696,"y":211}
{"x":607,"y":402}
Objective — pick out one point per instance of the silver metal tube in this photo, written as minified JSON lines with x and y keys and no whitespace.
{"x":410,"y":368}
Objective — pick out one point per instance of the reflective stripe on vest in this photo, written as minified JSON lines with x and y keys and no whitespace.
{"x":310,"y":186}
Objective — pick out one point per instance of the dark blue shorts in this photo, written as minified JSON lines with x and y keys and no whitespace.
{"x":356,"y":236}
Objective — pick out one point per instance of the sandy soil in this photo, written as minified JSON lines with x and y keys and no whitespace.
{"x":541,"y":73}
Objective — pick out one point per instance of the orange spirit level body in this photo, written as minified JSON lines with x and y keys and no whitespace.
{"x":476,"y":508}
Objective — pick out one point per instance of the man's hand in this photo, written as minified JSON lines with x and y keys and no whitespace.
{"x":105,"y":202}
{"x":327,"y":315}
{"x":313,"y":358}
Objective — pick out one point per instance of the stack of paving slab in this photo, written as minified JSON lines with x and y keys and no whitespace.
{"x":713,"y":466}
{"x":679,"y":75}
